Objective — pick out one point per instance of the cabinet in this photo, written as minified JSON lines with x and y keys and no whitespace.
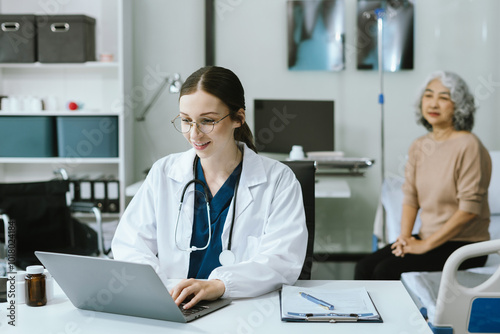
{"x":100,"y":86}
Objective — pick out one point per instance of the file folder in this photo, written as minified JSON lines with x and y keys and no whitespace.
{"x":102,"y":191}
{"x":113,"y":195}
{"x":74,"y":190}
{"x":85,"y":190}
{"x":99,"y":191}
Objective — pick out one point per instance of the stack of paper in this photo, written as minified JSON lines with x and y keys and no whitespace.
{"x":348,"y":304}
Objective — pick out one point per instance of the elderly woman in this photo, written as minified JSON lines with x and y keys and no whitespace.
{"x":446,"y":177}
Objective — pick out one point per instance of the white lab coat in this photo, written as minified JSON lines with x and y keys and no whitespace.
{"x":269,"y":236}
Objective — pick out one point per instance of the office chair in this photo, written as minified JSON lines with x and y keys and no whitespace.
{"x":305,"y":173}
{"x":40,"y":218}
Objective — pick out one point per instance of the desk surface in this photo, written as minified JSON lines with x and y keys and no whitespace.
{"x":331,"y":187}
{"x":255,"y":315}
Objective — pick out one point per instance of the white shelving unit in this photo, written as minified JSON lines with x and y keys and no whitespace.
{"x":100,"y":86}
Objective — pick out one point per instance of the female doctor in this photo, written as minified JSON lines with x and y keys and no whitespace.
{"x":240,"y":230}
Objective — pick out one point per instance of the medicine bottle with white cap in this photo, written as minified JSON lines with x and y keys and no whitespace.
{"x":297,"y":153}
{"x":35,"y":286}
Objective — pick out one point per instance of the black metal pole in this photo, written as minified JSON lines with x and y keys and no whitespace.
{"x":209,"y":32}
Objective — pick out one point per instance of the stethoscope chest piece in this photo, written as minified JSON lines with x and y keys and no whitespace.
{"x":227,"y":258}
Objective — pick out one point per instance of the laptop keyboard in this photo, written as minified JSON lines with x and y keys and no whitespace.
{"x":193,"y":310}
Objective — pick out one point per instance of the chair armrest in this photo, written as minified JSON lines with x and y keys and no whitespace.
{"x":91,"y":208}
{"x":82,"y":207}
{"x":5,"y":218}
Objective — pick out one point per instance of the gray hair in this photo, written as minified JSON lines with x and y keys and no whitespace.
{"x":463,"y":115}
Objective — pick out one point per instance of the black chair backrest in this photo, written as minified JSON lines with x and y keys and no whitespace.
{"x":40,"y":211}
{"x":305,"y":173}
{"x":41,"y":216}
{"x":43,"y":221}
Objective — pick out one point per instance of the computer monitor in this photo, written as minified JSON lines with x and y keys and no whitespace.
{"x":279,"y":124}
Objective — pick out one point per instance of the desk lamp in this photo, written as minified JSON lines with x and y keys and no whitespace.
{"x":174,"y":83}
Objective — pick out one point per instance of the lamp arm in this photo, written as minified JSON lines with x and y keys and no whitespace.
{"x":146,"y":109}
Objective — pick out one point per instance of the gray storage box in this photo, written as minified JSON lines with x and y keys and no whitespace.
{"x":87,"y":136}
{"x":66,"y":39}
{"x":27,"y":136}
{"x":17,"y":38}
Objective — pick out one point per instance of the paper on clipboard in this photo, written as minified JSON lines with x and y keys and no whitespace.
{"x":352,"y":304}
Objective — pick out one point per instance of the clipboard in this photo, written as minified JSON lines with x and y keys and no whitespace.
{"x":359,"y":296}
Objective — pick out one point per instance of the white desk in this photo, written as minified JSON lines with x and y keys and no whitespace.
{"x":255,"y":315}
{"x":331,"y":187}
{"x":326,"y":187}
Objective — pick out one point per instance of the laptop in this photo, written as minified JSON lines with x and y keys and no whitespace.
{"x":126,"y":288}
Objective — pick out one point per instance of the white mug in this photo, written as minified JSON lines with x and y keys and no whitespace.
{"x":14,"y":104}
{"x":5,"y":104}
{"x":35,"y":104}
{"x":51,"y":103}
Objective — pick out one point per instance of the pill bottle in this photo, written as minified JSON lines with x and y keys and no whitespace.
{"x":297,"y":153}
{"x":35,"y":286}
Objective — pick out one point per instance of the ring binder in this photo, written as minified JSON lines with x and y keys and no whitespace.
{"x":102,"y":191}
{"x":99,"y":189}
{"x":113,"y":195}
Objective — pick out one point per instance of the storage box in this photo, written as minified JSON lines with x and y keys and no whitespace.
{"x":27,"y":136}
{"x":87,"y":136}
{"x":17,"y":38}
{"x":66,"y":38}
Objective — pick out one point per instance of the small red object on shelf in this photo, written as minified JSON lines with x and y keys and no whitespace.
{"x":72,"y":106}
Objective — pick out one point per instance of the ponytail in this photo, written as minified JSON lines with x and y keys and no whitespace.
{"x":244,"y":134}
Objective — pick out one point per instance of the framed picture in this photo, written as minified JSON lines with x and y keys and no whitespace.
{"x":316,"y":35}
{"x":397,"y":34}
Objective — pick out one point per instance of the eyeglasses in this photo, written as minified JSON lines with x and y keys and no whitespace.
{"x":206,"y":125}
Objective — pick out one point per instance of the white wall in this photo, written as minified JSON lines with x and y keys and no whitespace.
{"x":169,"y":37}
{"x":251,"y":39}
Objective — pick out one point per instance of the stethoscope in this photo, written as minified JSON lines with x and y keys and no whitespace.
{"x":226,"y":257}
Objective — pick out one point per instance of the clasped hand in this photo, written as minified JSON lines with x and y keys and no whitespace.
{"x":408,"y":245}
{"x":198,"y":290}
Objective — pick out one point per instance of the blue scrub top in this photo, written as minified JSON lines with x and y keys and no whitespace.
{"x":202,"y":262}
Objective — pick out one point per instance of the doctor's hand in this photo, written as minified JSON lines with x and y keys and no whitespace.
{"x":199,"y":290}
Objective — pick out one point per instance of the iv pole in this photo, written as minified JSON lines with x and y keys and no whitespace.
{"x":380,"y":12}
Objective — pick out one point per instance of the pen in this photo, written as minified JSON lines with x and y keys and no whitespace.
{"x":315,"y":300}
